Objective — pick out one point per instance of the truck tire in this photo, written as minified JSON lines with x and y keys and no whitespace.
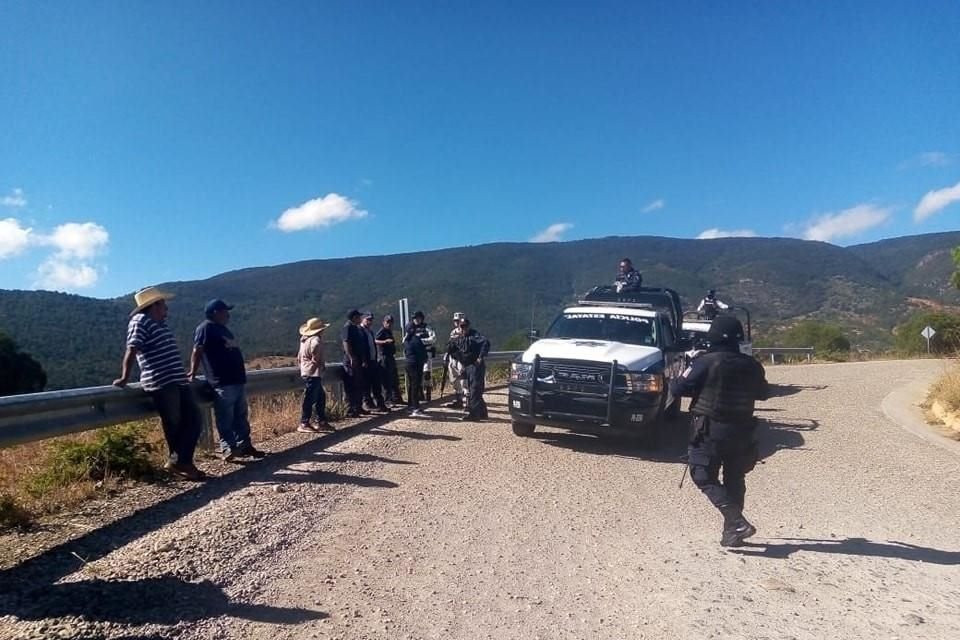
{"x":523,"y":429}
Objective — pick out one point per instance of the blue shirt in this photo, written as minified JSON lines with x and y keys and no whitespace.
{"x":222,"y":359}
{"x":157,"y":354}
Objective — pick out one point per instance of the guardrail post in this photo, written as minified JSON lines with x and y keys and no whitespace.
{"x":208,"y":441}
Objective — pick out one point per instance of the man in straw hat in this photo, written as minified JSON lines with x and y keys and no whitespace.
{"x":162,"y":375}
{"x":312,"y":366}
{"x":215,"y":346}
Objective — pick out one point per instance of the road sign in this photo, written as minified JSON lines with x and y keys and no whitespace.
{"x":928,"y":332}
{"x":404,"y":313}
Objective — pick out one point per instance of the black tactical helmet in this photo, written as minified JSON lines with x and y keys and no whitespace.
{"x":725,"y":330}
{"x":711,"y":293}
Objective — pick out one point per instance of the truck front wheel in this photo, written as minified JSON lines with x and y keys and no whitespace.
{"x":523,"y":429}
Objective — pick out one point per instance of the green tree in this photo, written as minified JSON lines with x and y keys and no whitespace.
{"x":19,"y":373}
{"x":946,"y":340}
{"x":827,"y":339}
{"x":516,"y":342}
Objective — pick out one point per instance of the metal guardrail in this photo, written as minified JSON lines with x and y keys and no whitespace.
{"x":773,"y":352}
{"x":38,"y":416}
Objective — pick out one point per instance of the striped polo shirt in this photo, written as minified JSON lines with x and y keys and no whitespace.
{"x":157,"y":353}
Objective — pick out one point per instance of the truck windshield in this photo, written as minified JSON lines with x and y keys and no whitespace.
{"x":605,"y":326}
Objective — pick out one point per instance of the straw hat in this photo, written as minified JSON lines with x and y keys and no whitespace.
{"x":147,"y":296}
{"x":313,"y":326}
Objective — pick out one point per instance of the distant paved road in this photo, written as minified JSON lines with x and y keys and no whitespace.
{"x":435,"y":529}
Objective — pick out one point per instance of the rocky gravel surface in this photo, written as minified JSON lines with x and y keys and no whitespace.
{"x":440,"y":529}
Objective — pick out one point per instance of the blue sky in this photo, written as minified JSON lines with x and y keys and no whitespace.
{"x":148,"y":142}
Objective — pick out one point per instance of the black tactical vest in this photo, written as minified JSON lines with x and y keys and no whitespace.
{"x":734,"y":381}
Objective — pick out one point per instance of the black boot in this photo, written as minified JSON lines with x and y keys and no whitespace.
{"x":736,"y":528}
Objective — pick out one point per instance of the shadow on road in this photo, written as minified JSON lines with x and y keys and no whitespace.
{"x":782,"y":390}
{"x":329,"y":456}
{"x":413,"y":435}
{"x":777,"y":435}
{"x":163,"y":600}
{"x":850,"y":547}
{"x":325,"y":477}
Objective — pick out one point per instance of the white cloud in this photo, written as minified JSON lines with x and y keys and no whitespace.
{"x":927,"y":159}
{"x":60,"y":275}
{"x":14,"y":199}
{"x":14,"y":237}
{"x":553,"y":233}
{"x":320,"y":212}
{"x":656,"y":204}
{"x":713,"y":234}
{"x":849,"y":222}
{"x":77,"y":240}
{"x":935,"y":201}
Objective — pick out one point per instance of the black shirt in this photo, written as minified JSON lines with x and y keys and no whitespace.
{"x":353,"y":335}
{"x":386,"y":350}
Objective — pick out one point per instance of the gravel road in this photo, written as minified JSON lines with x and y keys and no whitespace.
{"x":438,"y":529}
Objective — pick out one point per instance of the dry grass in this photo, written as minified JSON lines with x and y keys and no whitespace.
{"x":946,"y":392}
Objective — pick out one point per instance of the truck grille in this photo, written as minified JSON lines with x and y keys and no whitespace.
{"x":585,"y":375}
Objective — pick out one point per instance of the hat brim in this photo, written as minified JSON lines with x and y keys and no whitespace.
{"x":157,"y":298}
{"x":304,"y":331}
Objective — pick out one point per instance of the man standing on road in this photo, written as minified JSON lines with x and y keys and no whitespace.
{"x":162,"y":376}
{"x":387,"y":358}
{"x":215,"y":346}
{"x":354,"y":363}
{"x":415,"y":356}
{"x":312,"y":367}
{"x":372,"y":390}
{"x":470,"y":349}
{"x":724,"y":384}
{"x":454,"y":368}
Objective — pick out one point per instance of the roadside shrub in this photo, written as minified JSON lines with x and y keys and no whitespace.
{"x":947,"y":390}
{"x":945,"y":341}
{"x":827,"y":339}
{"x":11,"y":513}
{"x":121,"y":451}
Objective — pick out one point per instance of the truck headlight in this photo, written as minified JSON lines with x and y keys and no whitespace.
{"x":644,"y":382}
{"x":520,"y":371}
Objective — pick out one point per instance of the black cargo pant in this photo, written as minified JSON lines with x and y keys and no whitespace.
{"x":475,"y":376}
{"x":372,"y":385}
{"x":390,"y":379}
{"x":731,"y":449}
{"x":414,"y":371}
{"x":353,"y":387}
{"x":181,"y":420}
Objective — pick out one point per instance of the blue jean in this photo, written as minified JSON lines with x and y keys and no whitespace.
{"x":314,"y":400}
{"x":230,"y":410}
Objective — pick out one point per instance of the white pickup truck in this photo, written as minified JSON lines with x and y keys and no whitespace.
{"x":603,"y":365}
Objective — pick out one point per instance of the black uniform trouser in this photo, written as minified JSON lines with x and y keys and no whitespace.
{"x":372,"y":381}
{"x":390,"y":379}
{"x":353,"y":386}
{"x":475,"y":376}
{"x":414,"y":373}
{"x":734,"y":456}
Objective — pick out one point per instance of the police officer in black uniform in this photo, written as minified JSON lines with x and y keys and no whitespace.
{"x":628,"y":278}
{"x":469,"y":349}
{"x":724,"y":384}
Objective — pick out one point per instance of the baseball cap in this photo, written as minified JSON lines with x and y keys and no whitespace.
{"x":216,"y":305}
{"x":388,"y":317}
{"x":353,"y":313}
{"x":418,"y":314}
{"x":367,"y":314}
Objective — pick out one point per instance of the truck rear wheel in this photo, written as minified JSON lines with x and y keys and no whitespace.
{"x":523,"y":429}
